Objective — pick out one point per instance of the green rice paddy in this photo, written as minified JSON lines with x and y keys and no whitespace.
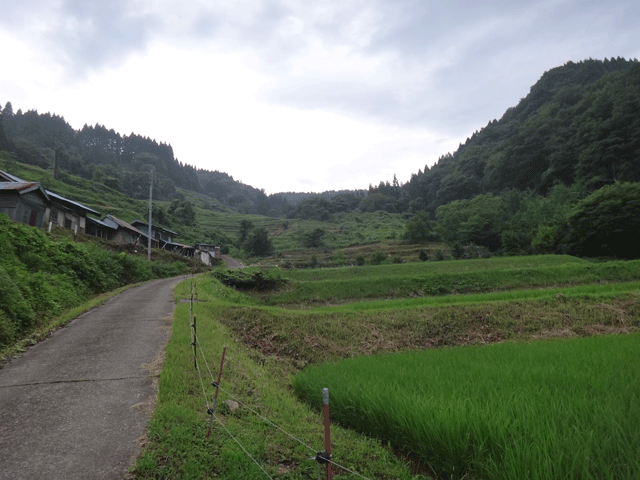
{"x":553,"y":409}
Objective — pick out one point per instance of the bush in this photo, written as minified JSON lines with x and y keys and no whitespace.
{"x":259,"y":244}
{"x":378,"y":257}
{"x":606,"y":223}
{"x":360,"y":260}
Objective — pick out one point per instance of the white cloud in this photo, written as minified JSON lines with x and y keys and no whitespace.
{"x":291,"y":96}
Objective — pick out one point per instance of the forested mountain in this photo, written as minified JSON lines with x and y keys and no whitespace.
{"x":122,"y":162}
{"x":578,"y":126}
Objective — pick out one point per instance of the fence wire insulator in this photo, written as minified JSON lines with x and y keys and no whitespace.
{"x":323,"y":458}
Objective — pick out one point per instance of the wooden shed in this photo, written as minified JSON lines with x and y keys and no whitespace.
{"x":25,"y":202}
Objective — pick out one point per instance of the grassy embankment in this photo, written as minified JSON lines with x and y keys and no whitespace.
{"x":44,"y":276}
{"x":269,"y":344}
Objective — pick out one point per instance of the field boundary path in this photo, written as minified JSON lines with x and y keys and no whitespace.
{"x":75,"y":405}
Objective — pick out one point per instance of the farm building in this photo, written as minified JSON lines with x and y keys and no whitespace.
{"x":69,"y":214}
{"x":25,"y":202}
{"x":163,"y":236}
{"x":115,"y":230}
{"x":206,"y":252}
{"x":61,"y":211}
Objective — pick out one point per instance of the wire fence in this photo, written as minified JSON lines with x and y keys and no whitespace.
{"x":322,"y":457}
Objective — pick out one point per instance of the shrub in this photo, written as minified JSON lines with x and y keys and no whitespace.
{"x":360,"y":260}
{"x":378,"y":257}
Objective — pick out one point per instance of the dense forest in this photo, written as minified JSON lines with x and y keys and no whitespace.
{"x":509,"y":187}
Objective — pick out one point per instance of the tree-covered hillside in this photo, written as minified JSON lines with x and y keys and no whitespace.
{"x":579,"y":124}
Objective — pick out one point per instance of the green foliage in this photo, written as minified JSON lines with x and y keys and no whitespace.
{"x":378,"y":257}
{"x":245,"y":227}
{"x":420,"y":229}
{"x":183,"y":212}
{"x":471,"y":221}
{"x":313,"y":239}
{"x":251,"y":278}
{"x":360,"y":260}
{"x":259,"y":244}
{"x":606,"y":223}
{"x":41,"y":278}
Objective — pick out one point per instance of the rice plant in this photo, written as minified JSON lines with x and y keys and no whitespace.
{"x":553,"y":409}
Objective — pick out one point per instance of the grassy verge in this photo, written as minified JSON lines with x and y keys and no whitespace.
{"x":179,"y":448}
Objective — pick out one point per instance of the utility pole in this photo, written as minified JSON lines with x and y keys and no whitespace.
{"x":150,"y":210}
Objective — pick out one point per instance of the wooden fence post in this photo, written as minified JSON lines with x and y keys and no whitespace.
{"x":327,"y":432}
{"x":215,"y":396}
{"x":195,"y":339}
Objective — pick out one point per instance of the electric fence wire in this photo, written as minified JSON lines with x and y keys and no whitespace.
{"x":267,"y":420}
{"x":257,"y":414}
{"x":244,"y":449}
{"x":205,"y":359}
{"x":288,"y":434}
{"x":204,"y":392}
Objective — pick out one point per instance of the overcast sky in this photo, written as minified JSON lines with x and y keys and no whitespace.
{"x":298,"y":96}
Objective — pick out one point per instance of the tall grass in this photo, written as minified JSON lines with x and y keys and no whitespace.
{"x":561,"y":409}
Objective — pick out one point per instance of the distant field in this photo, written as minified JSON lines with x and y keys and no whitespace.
{"x":327,"y":315}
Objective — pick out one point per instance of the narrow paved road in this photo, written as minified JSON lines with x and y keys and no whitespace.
{"x":231,"y":262}
{"x":72,"y":407}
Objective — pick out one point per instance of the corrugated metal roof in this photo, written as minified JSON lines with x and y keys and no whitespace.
{"x":100,"y":222}
{"x":66,"y":200}
{"x":17,"y":186}
{"x":10,"y":178}
{"x":124,"y":224}
{"x":146,"y":226}
{"x":23,"y":187}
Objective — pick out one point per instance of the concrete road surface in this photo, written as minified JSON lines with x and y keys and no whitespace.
{"x":231,"y":262}
{"x":73,"y":406}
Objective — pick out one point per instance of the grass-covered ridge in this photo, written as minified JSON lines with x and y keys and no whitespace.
{"x":270,"y":343}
